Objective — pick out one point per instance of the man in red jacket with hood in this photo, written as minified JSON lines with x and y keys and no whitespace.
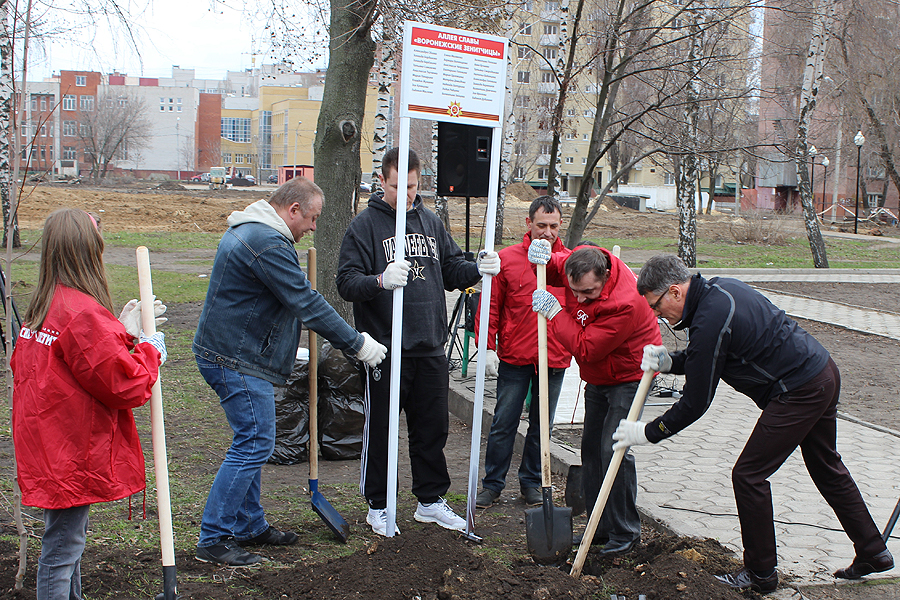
{"x":512,"y":357}
{"x":605,"y":326}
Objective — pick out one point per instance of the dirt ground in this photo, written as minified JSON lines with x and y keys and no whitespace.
{"x":425,"y":562}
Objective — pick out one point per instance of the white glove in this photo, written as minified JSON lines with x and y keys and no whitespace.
{"x":491,"y":363}
{"x":629,"y":433}
{"x":371,"y":352}
{"x":545,"y":303}
{"x":395,"y":275}
{"x":656,"y":359}
{"x":539,"y":252}
{"x":488,"y":263}
{"x":158,"y":341}
{"x":130,"y":316}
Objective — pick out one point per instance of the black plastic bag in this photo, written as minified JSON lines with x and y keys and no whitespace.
{"x":292,"y":417}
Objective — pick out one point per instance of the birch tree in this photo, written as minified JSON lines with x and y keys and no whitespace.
{"x":812,"y":76}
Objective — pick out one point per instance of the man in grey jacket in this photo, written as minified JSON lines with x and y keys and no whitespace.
{"x":246,"y":342}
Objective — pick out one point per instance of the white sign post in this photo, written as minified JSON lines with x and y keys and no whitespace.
{"x":460,"y":77}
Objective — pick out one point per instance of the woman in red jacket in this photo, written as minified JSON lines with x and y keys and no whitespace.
{"x":78,"y":373}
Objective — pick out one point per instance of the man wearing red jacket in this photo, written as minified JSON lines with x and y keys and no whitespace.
{"x":512,"y":357}
{"x":605,"y":326}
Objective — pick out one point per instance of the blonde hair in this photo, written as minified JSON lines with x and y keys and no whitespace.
{"x":71,"y":255}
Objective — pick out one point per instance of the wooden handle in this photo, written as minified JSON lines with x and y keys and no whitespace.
{"x":157,"y":423}
{"x":637,"y":406}
{"x":313,"y":380}
{"x":543,"y":387}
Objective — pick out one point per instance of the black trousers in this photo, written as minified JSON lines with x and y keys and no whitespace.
{"x":424,"y":385}
{"x":804,"y":417}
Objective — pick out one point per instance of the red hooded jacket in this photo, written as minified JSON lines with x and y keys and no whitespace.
{"x":76,"y":381}
{"x":607,"y":335}
{"x":512,"y":331}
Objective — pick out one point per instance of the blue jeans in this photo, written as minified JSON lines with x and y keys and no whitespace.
{"x":512,"y":388}
{"x":604,"y":407}
{"x":233,"y":508}
{"x":59,"y":568}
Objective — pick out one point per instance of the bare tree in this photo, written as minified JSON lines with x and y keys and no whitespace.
{"x":117,"y":124}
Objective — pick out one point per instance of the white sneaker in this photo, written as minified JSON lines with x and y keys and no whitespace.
{"x":438,"y":512}
{"x":377,"y":518}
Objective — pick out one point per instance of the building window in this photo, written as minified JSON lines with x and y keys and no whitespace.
{"x":68,"y":102}
{"x":50,"y":129}
{"x":542,"y":173}
{"x":545,"y":148}
{"x":179,"y":100}
{"x":524,"y":52}
{"x":570,"y":136}
{"x":519,"y":174}
{"x":570,"y":160}
{"x":44,"y":130}
{"x":84,"y":130}
{"x":526,"y":29}
{"x":239,"y":159}
{"x":585,"y":137}
{"x":34,"y":103}
{"x":69,"y":153}
{"x":583,"y":160}
{"x":547,"y":78}
{"x":570,"y":112}
{"x":69,"y":128}
{"x":589,"y":113}
{"x":86,"y":103}
{"x":162,"y":108}
{"x":519,"y":149}
{"x":523,"y":101}
{"x":81,"y":80}
{"x":552,"y":5}
{"x":226,"y":158}
{"x":236,"y":130}
{"x":43,"y":103}
{"x":668,"y":178}
{"x":523,"y":77}
{"x":550,"y":29}
{"x":179,"y":109}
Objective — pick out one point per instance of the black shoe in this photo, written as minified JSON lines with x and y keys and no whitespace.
{"x":597,"y":541}
{"x":271,"y":537}
{"x":486,"y":497}
{"x":883,"y":561}
{"x":746,"y":579}
{"x":614,"y":548}
{"x":532,"y":496}
{"x":227,"y":552}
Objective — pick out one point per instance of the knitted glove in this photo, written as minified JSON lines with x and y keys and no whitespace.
{"x":656,"y":359}
{"x":488,"y":263}
{"x":371,"y":352}
{"x":491,"y":363}
{"x":629,"y":433}
{"x":545,"y":303}
{"x":539,"y":252}
{"x":395,"y":275}
{"x":157,"y":340}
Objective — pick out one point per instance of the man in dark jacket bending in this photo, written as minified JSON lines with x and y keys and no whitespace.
{"x":738,"y":336}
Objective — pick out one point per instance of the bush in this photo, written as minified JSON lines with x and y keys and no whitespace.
{"x":757,"y":227}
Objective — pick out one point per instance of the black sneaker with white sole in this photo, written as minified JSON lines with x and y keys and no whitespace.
{"x":227,"y":552}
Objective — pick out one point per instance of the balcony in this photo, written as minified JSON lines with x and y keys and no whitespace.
{"x":550,"y":39}
{"x":548,"y":87}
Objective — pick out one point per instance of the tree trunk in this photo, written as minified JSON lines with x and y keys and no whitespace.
{"x":687,"y":171}
{"x":337,"y":145}
{"x":812,"y":75}
{"x":5,"y":141}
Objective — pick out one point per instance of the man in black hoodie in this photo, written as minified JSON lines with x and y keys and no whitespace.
{"x":367,"y":275}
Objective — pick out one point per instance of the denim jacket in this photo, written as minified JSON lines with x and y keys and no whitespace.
{"x":258,"y":295}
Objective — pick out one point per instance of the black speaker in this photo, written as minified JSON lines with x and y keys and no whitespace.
{"x":464,"y":160}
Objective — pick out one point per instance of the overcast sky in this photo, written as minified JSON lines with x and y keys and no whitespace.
{"x":205,"y":35}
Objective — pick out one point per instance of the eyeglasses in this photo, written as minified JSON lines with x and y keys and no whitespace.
{"x":655,"y":306}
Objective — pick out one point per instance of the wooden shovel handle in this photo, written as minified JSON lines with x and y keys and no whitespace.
{"x":313,"y":380}
{"x":543,"y":387}
{"x":637,"y":406}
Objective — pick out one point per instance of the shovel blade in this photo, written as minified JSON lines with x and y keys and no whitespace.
{"x":332,"y":518}
{"x":548,"y":532}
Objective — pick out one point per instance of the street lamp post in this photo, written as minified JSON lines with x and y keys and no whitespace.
{"x":177,"y":157}
{"x":825,"y":163}
{"x":296,"y":135}
{"x":859,"y":140}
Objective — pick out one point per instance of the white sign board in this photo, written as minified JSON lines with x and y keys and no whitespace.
{"x":452,"y":75}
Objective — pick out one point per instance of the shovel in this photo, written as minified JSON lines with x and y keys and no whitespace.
{"x":326,"y":512}
{"x":637,"y":405}
{"x":548,"y":529}
{"x":158,"y":435}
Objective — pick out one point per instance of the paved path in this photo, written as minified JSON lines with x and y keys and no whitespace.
{"x":685,"y":482}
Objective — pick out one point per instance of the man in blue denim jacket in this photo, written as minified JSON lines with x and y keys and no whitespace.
{"x":246,"y":342}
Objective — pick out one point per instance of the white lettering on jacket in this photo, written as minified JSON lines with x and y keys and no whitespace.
{"x":45,"y":337}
